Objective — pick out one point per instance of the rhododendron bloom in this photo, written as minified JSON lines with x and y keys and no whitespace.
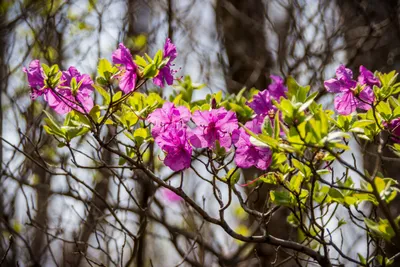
{"x":262,"y":102}
{"x":65,"y":98}
{"x":165,"y":74}
{"x":175,"y":143}
{"x":248,"y":155}
{"x":366,"y":77}
{"x":394,"y":127}
{"x":277,"y":88}
{"x":127,"y":76}
{"x":170,"y":195}
{"x":349,"y":99}
{"x":166,"y":116}
{"x":36,"y":79}
{"x":214,"y":125}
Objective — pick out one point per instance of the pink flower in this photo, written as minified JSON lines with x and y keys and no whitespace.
{"x":247,"y":154}
{"x":348,"y":99}
{"x":170,"y":196}
{"x":175,"y":143}
{"x":66,"y":98}
{"x":165,"y":74}
{"x":168,"y":115}
{"x":127,"y":76}
{"x":214,"y":125}
{"x":262,"y":103}
{"x":277,"y":88}
{"x":36,"y":79}
{"x":394,"y":127}
{"x":366,"y":77}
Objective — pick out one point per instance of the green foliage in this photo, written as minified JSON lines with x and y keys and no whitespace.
{"x":305,"y":140}
{"x":74,"y":125}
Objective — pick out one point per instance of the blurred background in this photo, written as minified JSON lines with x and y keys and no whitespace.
{"x":54,"y":220}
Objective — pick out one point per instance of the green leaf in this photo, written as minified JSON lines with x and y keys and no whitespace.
{"x":140,"y":61}
{"x":295,"y":182}
{"x":281,"y":198}
{"x":362,"y":259}
{"x":148,"y":58}
{"x":105,"y":69}
{"x":277,"y":159}
{"x":323,"y":172}
{"x":362,"y":123}
{"x":140,"y":135}
{"x":308,"y":102}
{"x":126,"y":116}
{"x":381,"y":229}
{"x":266,"y":127}
{"x":344,"y":122}
{"x":95,"y":113}
{"x":336,"y":195}
{"x":150,"y":71}
{"x":337,"y":135}
{"x":117,"y":96}
{"x":52,"y":126}
{"x":233,"y":176}
{"x":384,"y":110}
{"x":158,"y":58}
{"x":103,"y":93}
{"x":277,"y":128}
{"x":295,"y":90}
{"x":292,"y":220}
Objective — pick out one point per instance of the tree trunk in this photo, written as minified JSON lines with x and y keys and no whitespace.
{"x":241,"y":24}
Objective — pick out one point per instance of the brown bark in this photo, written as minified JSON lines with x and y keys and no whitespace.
{"x":242,"y":27}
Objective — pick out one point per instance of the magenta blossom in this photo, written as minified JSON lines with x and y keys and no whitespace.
{"x":66,"y":97}
{"x":394,"y":127}
{"x":175,"y":143}
{"x":348,"y":99}
{"x":165,"y":74}
{"x":168,"y":115}
{"x":128,"y":68}
{"x":36,"y":79}
{"x":366,"y":77}
{"x":248,"y":155}
{"x":262,"y":102}
{"x":214,"y":125}
{"x":277,"y":88}
{"x":170,"y":195}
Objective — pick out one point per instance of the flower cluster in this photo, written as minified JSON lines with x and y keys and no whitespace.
{"x":247,"y":154}
{"x":214,"y":127}
{"x":176,"y":139}
{"x":171,"y":134}
{"x":352,"y":94}
{"x":73,"y":91}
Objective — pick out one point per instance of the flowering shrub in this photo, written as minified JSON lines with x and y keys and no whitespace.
{"x":282,"y":131}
